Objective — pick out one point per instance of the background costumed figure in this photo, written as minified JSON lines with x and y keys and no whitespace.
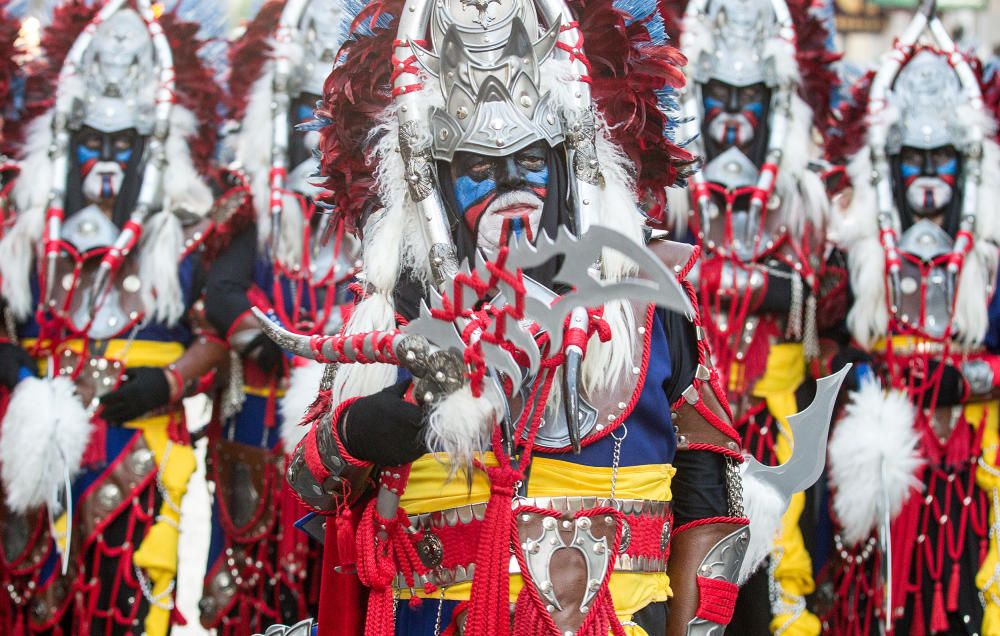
{"x":294,"y":264}
{"x":913,"y":460}
{"x":102,"y":271}
{"x":515,"y":137}
{"x":759,"y":84}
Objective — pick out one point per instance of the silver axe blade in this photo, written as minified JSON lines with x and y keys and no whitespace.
{"x":658,"y":285}
{"x":809,"y":436}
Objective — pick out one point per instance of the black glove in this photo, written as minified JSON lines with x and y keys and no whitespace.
{"x":949,"y":391}
{"x":383,"y":429}
{"x":144,"y":389}
{"x":12,"y":359}
{"x":265,"y":352}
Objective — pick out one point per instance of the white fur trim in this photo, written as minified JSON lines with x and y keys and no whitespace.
{"x":877,"y":430}
{"x":764,"y":507}
{"x":183,"y":188}
{"x":460,"y":426}
{"x":45,"y":432}
{"x":303,"y":386}
{"x":162,"y":243}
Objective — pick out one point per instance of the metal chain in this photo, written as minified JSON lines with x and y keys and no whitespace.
{"x":10,"y":326}
{"x":159,"y":481}
{"x":437,"y":620}
{"x":734,"y":488}
{"x":616,"y":455}
{"x":155,"y":600}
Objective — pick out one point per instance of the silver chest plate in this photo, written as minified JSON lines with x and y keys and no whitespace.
{"x":925,"y":288}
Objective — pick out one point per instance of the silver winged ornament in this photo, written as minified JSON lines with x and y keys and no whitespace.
{"x":470,"y":330}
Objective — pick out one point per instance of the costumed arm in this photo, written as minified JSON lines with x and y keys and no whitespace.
{"x":708,"y":514}
{"x":228,"y":302}
{"x":330,"y":467}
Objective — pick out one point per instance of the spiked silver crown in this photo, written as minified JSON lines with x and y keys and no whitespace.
{"x":741,"y":30}
{"x":321,"y":38}
{"x":120,"y":77}
{"x":488,"y":64}
{"x":927,"y":93}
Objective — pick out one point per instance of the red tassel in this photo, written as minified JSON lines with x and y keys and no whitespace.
{"x":376,"y":569}
{"x":345,"y":536}
{"x":176,"y":618}
{"x":919,"y":627}
{"x":341,"y":606}
{"x":953,"y":588}
{"x":489,"y":605}
{"x":939,"y":620}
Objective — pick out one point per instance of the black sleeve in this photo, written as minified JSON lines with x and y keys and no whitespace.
{"x":683,"y":345}
{"x":229,"y":279}
{"x":699,"y":487}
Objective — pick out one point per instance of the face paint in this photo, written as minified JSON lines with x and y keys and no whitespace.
{"x":501,"y":197}
{"x":929,"y":178}
{"x":103,"y":159}
{"x":732,"y":113}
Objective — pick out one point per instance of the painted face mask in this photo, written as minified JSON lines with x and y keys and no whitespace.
{"x":501,"y":197}
{"x":732,"y":113}
{"x":929,"y":178}
{"x":103,"y":158}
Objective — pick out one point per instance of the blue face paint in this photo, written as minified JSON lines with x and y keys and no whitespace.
{"x":468,"y":191}
{"x":85,"y":154}
{"x":303,"y":113}
{"x":950,"y":167}
{"x":908,"y":170}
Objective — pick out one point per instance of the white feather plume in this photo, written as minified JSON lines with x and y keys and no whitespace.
{"x":162,"y":243}
{"x":764,"y":507}
{"x":45,"y":432}
{"x":460,"y":425}
{"x":873,"y":453}
{"x":184,"y":189}
{"x":303,"y":385}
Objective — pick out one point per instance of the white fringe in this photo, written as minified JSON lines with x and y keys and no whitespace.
{"x":460,"y":426}
{"x":303,"y":385}
{"x":183,"y":188}
{"x":876,"y":430}
{"x":45,"y":432}
{"x":162,"y":243}
{"x":764,"y":507}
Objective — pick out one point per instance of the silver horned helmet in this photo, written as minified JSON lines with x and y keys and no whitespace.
{"x":740,"y":32}
{"x":320,"y":29}
{"x":494,"y":102}
{"x":120,"y":77}
{"x":488,"y":59}
{"x":927,"y":93}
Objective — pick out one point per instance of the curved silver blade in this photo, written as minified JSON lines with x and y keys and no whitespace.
{"x":809,"y":436}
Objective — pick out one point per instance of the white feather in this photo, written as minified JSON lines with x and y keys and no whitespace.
{"x":868,"y":318}
{"x":303,"y":386}
{"x":873,"y":453}
{"x":460,"y":425}
{"x":161,"y":245}
{"x":183,"y":188}
{"x":17,"y":256}
{"x":45,"y":432}
{"x":764,"y":507}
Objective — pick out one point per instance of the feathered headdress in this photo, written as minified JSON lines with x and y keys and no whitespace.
{"x":8,"y":69}
{"x":287,"y":49}
{"x":602,"y":82}
{"x":179,"y":100}
{"x":886,"y":108}
{"x":784,"y":44}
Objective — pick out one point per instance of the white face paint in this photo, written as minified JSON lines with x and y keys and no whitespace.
{"x":511,"y":214}
{"x":730,"y":129}
{"x":103,"y":182}
{"x":927,"y":195}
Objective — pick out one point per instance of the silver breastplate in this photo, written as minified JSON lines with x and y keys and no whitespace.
{"x":925,"y":289}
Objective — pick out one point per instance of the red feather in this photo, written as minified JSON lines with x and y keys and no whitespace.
{"x":626,"y":71}
{"x":8,"y":68}
{"x":248,"y":55}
